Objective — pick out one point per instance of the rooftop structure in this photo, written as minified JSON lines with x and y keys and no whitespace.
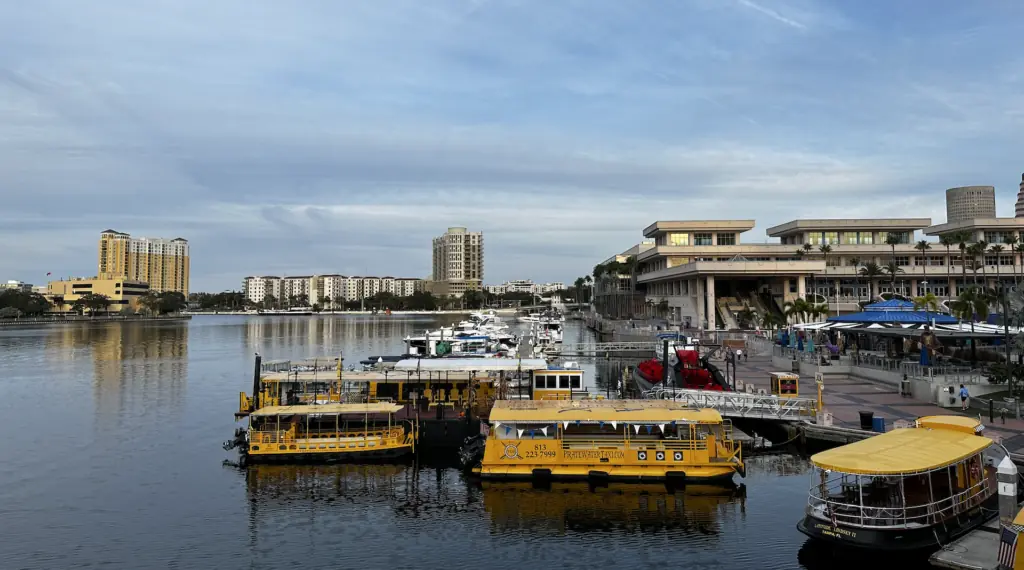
{"x":967,"y":202}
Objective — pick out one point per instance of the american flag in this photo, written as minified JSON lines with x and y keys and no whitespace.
{"x":1007,"y":547}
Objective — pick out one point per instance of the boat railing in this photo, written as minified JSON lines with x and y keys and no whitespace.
{"x":284,"y":436}
{"x":660,"y":445}
{"x":880,"y":515}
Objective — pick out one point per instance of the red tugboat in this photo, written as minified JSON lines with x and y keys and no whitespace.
{"x":687,"y":371}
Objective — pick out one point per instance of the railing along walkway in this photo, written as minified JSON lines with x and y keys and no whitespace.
{"x":740,"y":404}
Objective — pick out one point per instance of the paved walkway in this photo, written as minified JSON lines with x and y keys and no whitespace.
{"x":845,"y":398}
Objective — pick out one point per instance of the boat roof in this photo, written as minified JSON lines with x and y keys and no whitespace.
{"x":471,"y":364}
{"x":902,"y":452}
{"x":339,"y":409}
{"x":956,"y":423}
{"x":626,"y":411}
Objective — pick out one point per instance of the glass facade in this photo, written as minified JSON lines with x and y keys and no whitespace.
{"x":679,"y":239}
{"x":702,"y":239}
{"x":727,"y":239}
{"x":831,"y":238}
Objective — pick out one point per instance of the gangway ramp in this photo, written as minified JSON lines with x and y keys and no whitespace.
{"x":742,"y":404}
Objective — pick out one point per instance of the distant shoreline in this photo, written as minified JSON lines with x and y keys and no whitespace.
{"x":63,"y":320}
{"x":342,"y":313}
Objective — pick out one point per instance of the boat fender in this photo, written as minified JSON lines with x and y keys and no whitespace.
{"x":676,"y":477}
{"x":598,"y":475}
{"x":542,"y":474}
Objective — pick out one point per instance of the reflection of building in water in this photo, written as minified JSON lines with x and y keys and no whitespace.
{"x":302,"y":337}
{"x":137,"y":366}
{"x":783,"y":464}
{"x":577,"y":507}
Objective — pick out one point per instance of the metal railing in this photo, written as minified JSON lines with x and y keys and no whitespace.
{"x":739,"y":404}
{"x":896,"y":516}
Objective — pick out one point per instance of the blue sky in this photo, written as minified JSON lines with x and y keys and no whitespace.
{"x":323,"y":136}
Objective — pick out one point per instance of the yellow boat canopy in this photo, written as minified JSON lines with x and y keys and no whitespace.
{"x":331,"y":409}
{"x":902,"y":452}
{"x":625,"y":411}
{"x":956,"y":423}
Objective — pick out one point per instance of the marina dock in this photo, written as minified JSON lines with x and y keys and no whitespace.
{"x":976,"y":551}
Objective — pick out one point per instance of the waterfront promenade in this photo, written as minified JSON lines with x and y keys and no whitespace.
{"x":65,"y":319}
{"x":846,"y":397}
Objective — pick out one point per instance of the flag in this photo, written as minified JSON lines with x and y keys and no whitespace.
{"x":1007,"y":546}
{"x":48,"y":274}
{"x":832,"y":517}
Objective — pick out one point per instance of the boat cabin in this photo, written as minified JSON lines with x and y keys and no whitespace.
{"x":328,"y":432}
{"x":558,"y":384}
{"x":785,"y":384}
{"x":908,"y":489}
{"x":608,"y":439}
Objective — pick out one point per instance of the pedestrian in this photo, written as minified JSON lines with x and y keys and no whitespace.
{"x":964,"y":395}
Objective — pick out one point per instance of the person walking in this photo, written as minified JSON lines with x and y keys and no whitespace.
{"x":964,"y":395}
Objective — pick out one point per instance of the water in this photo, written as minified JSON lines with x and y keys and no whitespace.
{"x":112,"y":458}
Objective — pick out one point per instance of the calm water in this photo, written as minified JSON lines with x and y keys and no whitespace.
{"x":112,"y":458}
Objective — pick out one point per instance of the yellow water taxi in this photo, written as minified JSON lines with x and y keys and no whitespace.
{"x":328,"y":432}
{"x":909,"y":489}
{"x":605,"y":439}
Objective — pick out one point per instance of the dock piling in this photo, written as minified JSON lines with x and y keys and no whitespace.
{"x":1007,"y":478}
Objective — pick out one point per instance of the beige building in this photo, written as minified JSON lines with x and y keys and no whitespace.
{"x":458,"y":262}
{"x":324,"y":289}
{"x":706,"y":274}
{"x":123,"y":293}
{"x":970,"y":202}
{"x":163,"y":263}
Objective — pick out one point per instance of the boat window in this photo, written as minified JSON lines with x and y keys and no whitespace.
{"x":539,"y":382}
{"x":552,"y":380}
{"x":563,"y":382}
{"x":576,"y":384}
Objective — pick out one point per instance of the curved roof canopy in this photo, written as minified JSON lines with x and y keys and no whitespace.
{"x":897,"y":316}
{"x":890,"y":305}
{"x":902,"y":452}
{"x":594,"y":411}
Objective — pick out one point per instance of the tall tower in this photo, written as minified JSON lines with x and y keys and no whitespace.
{"x":970,"y":202}
{"x":163,"y":263}
{"x":458,"y":260}
{"x":1019,"y":208}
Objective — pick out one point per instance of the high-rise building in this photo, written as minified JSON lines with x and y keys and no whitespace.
{"x":1019,"y":209}
{"x":970,"y":203}
{"x":458,"y":261}
{"x":163,"y":263}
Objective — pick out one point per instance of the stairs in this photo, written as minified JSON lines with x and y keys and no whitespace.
{"x":725,"y":305}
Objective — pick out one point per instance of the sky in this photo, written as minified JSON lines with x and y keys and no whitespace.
{"x":340,"y":137}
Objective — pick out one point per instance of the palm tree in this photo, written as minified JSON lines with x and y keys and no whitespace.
{"x":1011,"y":242}
{"x":962,"y":238}
{"x":981,"y":247}
{"x":871,"y":270}
{"x":971,"y":304}
{"x":892,"y":268}
{"x":923,"y":246}
{"x":997,"y":250}
{"x":973,"y":251}
{"x":579,"y":283}
{"x":825,"y":250}
{"x":337,"y":301}
{"x":893,"y":240}
{"x":855,"y":262}
{"x":1019,"y":249}
{"x":929,"y":302}
{"x":590,"y":283}
{"x":798,"y":308}
{"x":947,"y":241}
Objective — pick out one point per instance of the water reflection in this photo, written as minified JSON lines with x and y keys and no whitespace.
{"x":580,"y":507}
{"x":136,"y":367}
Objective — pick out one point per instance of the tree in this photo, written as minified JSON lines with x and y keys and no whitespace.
{"x":997,"y":250}
{"x":981,"y":247}
{"x":579,"y":284}
{"x":971,"y":304}
{"x":1011,"y":241}
{"x":892,"y":268}
{"x":797,"y":308}
{"x":171,"y":302}
{"x":923,"y":246}
{"x":871,"y":270}
{"x":855,"y":262}
{"x":269,"y":301}
{"x":947,"y":241}
{"x":339,"y":300}
{"x":58,"y":303}
{"x":1020,"y":251}
{"x":473,"y":299}
{"x":962,"y":239}
{"x":892,"y":240}
{"x":95,"y":302}
{"x":825,"y":250}
{"x":27,"y":303}
{"x":746,"y":318}
{"x":9,"y":313}
{"x":302,"y":300}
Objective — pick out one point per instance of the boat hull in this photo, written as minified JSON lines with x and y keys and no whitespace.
{"x":903,"y":540}
{"x":605,"y":472}
{"x":368,"y":456}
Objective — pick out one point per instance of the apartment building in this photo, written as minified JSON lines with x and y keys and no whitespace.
{"x":704,"y":273}
{"x":16,"y":286}
{"x":163,"y":263}
{"x":458,"y":261}
{"x":524,"y":286}
{"x":324,"y":289}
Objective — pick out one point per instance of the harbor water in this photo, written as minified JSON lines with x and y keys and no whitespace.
{"x":112,"y":458}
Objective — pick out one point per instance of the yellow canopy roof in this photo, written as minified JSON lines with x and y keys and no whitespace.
{"x":902,"y":451}
{"x":625,"y":411}
{"x":956,"y":423}
{"x":343,"y":409}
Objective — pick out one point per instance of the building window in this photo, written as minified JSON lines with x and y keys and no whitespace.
{"x":902,"y":260}
{"x":726,"y":239}
{"x":850,"y":238}
{"x":702,"y":239}
{"x":936,"y":260}
{"x":1005,"y":260}
{"x":882,"y":236}
{"x":679,"y":239}
{"x":994,"y":237}
{"x":814,"y":238}
{"x":833,"y":261}
{"x":866,"y":238}
{"x":831,"y":238}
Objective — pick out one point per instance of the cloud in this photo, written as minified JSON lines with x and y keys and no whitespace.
{"x":341,"y":137}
